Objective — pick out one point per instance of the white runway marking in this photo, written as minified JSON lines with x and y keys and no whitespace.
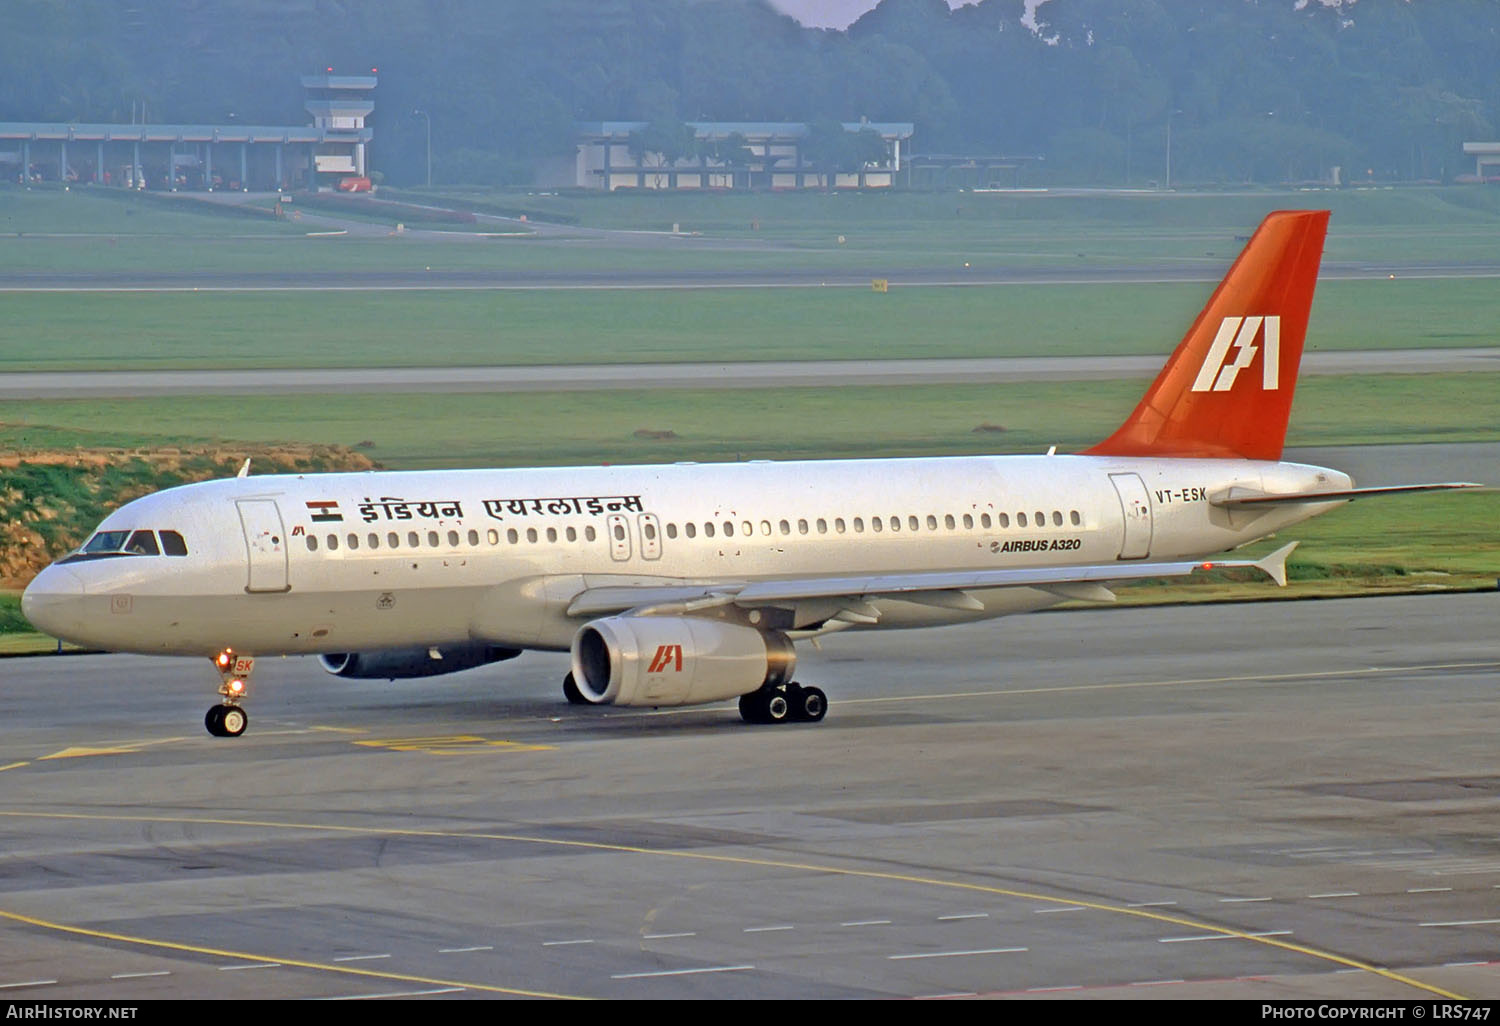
{"x":252,"y":965}
{"x":1222,"y":936}
{"x":683,"y":972}
{"x":565,"y":943}
{"x":27,"y":983}
{"x":954,"y":954}
{"x":1464,"y":922}
{"x":394,"y":994}
{"x":136,"y":976}
{"x":459,"y":951}
{"x":767,"y":929}
{"x":883,"y":922}
{"x":359,"y":958}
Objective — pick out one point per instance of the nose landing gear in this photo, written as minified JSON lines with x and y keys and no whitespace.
{"x":228,"y":719}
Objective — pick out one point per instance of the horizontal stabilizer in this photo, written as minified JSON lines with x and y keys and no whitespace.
{"x":1239,"y":498}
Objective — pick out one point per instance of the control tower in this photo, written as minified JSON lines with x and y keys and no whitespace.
{"x":339,"y":105}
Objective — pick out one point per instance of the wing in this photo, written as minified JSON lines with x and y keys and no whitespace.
{"x":848,"y":598}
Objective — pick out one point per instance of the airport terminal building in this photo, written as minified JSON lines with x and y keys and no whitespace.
{"x":604,"y":159}
{"x":228,"y":156}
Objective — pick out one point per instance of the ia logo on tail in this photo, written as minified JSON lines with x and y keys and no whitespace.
{"x":1240,"y":333}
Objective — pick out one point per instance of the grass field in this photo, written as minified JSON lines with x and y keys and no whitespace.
{"x":770,"y":230}
{"x":152,"y":331}
{"x":579,"y":428}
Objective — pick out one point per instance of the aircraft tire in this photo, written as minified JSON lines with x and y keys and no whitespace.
{"x":233,"y":721}
{"x":214,"y":720}
{"x":750,"y":708}
{"x":777,"y":708}
{"x":811,"y":705}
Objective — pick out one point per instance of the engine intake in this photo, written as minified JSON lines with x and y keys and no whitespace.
{"x":675,"y":660}
{"x":418,"y":661}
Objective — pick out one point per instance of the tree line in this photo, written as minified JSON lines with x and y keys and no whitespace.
{"x":1101,"y":91}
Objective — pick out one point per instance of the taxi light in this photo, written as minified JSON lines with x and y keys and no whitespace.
{"x":236,"y":687}
{"x":222,"y":659}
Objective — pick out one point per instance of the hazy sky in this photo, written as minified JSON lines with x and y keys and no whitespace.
{"x":832,"y":13}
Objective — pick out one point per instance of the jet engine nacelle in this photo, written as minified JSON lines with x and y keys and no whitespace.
{"x":675,"y":660}
{"x":418,"y":661}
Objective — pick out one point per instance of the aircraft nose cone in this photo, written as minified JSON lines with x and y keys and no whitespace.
{"x":53,"y":601}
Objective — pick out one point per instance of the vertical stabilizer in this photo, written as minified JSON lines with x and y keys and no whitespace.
{"x":1226,"y":391}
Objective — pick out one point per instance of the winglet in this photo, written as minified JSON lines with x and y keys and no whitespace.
{"x":1274,"y":565}
{"x":244,"y":468}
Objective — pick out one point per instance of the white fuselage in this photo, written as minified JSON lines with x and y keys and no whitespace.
{"x":343,"y":562}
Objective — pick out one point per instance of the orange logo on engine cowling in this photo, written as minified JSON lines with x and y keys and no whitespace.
{"x":667,"y":657}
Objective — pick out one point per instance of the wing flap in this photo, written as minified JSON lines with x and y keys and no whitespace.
{"x":852,"y":594}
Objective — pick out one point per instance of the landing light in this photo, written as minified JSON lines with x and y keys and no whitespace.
{"x":236,"y":687}
{"x":222,"y":659}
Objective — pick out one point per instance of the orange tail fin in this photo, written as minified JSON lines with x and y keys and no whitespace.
{"x":1227,"y":389}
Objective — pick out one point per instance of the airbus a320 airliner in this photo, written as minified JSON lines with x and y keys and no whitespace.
{"x":684,"y":584}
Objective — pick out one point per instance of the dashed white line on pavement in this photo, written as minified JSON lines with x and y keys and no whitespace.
{"x":136,"y":976}
{"x":684,"y":972}
{"x":768,"y":929}
{"x":460,"y":951}
{"x":395,"y":994}
{"x":1222,"y":936}
{"x":359,"y":958}
{"x":954,"y":954}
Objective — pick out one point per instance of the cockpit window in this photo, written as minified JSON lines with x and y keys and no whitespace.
{"x":142,"y":543}
{"x":107,"y":541}
{"x":107,"y":544}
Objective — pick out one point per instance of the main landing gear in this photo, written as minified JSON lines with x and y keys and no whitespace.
{"x":228,"y":719}
{"x":784,"y":703}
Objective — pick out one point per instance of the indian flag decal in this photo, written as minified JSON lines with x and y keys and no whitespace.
{"x":325,"y":511}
